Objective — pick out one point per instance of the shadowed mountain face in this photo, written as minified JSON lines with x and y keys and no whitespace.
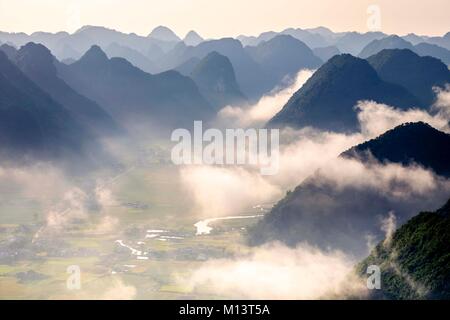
{"x":168,"y":99}
{"x":391,"y":42}
{"x":39,"y":65}
{"x":188,"y":66}
{"x":326,"y":53}
{"x":283,"y":56}
{"x":10,"y":51}
{"x":32,"y":124}
{"x":415,"y":261}
{"x":164,"y":34}
{"x":192,"y":38}
{"x":328,"y":214}
{"x":133,"y":56}
{"x":407,"y":144}
{"x":417,"y":74}
{"x":443,"y":41}
{"x":311,"y":39}
{"x":426,"y":49}
{"x":326,"y":101}
{"x":251,"y":78}
{"x":215,"y":77}
{"x":354,"y":42}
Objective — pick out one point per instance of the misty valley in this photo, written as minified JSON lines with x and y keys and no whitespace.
{"x":299,"y":164}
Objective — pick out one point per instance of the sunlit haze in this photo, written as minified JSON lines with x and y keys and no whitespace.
{"x":214,"y":19}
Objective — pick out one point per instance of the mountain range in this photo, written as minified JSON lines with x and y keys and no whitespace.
{"x":130,"y":94}
{"x":283,"y":56}
{"x":419,"y":75}
{"x":396,"y":42}
{"x":215,"y":77}
{"x":40,"y":66}
{"x":327,"y":100}
{"x":33,"y":125}
{"x":326,"y":214}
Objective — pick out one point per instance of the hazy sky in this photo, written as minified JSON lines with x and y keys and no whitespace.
{"x":218,"y":18}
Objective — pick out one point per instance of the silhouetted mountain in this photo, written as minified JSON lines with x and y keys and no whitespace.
{"x":165,"y":99}
{"x":192,"y":38}
{"x":333,"y":215}
{"x":283,"y":56}
{"x":187,"y":67}
{"x":14,"y":38}
{"x":325,"y":53}
{"x":10,"y":51}
{"x":413,"y":38}
{"x":32,"y":124}
{"x":417,"y":74}
{"x":427,"y":49}
{"x":215,"y":77}
{"x":248,"y":40}
{"x":312,"y":40}
{"x":326,"y":33}
{"x":135,"y":57}
{"x":154,"y":52}
{"x":354,"y":42}
{"x":64,"y":45}
{"x":252,"y":80}
{"x":414,"y":261}
{"x":327,"y":99}
{"x":391,"y":42}
{"x":164,"y":34}
{"x":407,"y":144}
{"x":443,"y":41}
{"x":40,"y":66}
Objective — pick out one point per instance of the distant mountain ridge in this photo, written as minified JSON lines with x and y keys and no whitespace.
{"x":128,"y":93}
{"x":326,"y":101}
{"x":215,"y":77}
{"x":419,"y":75}
{"x":40,"y":65}
{"x":33,"y":125}
{"x":283,"y":56}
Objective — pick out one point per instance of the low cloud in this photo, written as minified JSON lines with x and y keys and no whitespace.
{"x":376,"y":118}
{"x":223,"y":191}
{"x":442,"y":104}
{"x":389,"y":178}
{"x":275,"y":271}
{"x":265,"y":108}
{"x":227,"y":190}
{"x":388,"y":225}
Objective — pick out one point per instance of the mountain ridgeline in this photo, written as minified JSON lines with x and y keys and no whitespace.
{"x":324,"y":213}
{"x":419,"y":75}
{"x":40,"y":66}
{"x":214,"y":75}
{"x":284,"y":56}
{"x":327,"y":100}
{"x":167,"y":99}
{"x":33,"y":125}
{"x":410,"y":143}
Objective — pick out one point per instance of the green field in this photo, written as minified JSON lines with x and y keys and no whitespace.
{"x":148,"y":197}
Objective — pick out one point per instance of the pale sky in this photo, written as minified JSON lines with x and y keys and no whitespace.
{"x":219,"y":18}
